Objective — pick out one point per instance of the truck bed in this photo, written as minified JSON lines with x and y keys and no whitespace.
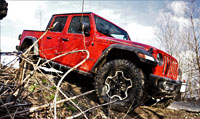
{"x":30,"y":33}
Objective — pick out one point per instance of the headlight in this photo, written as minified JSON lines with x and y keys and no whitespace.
{"x":146,"y":57}
{"x":159,"y":59}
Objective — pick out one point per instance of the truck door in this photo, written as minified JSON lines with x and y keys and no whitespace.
{"x":50,"y":42}
{"x":73,"y":40}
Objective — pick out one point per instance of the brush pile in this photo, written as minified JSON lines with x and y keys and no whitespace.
{"x":34,"y":98}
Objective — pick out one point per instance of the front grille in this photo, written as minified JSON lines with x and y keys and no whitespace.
{"x":170,"y":67}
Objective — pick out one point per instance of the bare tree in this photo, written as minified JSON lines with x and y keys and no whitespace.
{"x":181,"y":39}
{"x":194,"y":18}
{"x":167,"y":33}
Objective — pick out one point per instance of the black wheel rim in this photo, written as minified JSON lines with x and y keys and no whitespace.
{"x":117,"y":86}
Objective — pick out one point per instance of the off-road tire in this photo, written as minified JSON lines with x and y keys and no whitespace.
{"x":32,"y":57}
{"x":25,"y":66}
{"x":131,"y":71}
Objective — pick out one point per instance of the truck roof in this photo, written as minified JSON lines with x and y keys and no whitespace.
{"x":88,"y":13}
{"x":74,"y":13}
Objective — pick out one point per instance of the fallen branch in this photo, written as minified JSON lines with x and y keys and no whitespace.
{"x":7,"y":104}
{"x":59,"y":83}
{"x":6,"y":109}
{"x":60,"y":91}
{"x":79,"y":114}
{"x":50,"y":105}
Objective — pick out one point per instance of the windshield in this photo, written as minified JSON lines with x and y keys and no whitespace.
{"x":109,"y":29}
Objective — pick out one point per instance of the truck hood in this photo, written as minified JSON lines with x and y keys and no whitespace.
{"x":131,"y":43}
{"x":155,"y":51}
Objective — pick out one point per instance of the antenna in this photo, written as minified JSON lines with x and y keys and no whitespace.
{"x":82,"y":6}
{"x":40,"y":14}
{"x":82,"y":10}
{"x":83,"y":26}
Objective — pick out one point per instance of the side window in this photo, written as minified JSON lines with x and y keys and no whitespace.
{"x":75,"y":25}
{"x":60,"y":25}
{"x":109,"y":29}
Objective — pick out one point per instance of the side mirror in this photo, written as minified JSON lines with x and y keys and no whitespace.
{"x":86,"y":28}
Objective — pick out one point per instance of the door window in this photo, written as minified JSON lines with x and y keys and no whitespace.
{"x":61,"y":20}
{"x":75,"y":25}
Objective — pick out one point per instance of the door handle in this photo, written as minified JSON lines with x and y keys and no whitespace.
{"x":49,"y":37}
{"x":65,"y":39}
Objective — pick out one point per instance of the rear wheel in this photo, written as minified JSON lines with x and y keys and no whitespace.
{"x":24,"y":65}
{"x":120,"y":81}
{"x":31,"y":57}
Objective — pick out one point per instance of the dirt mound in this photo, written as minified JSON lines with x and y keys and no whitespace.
{"x":34,"y":99}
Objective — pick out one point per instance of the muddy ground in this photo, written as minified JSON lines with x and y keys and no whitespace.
{"x":17,"y":100}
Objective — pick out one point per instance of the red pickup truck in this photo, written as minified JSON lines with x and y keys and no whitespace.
{"x":123,"y":71}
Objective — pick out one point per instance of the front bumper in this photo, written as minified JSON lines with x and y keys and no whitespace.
{"x":165,"y":85}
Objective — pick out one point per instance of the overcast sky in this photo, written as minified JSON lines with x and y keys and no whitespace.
{"x":138,"y":18}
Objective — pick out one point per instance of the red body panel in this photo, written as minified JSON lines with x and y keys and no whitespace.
{"x":96,"y":43}
{"x":31,"y":33}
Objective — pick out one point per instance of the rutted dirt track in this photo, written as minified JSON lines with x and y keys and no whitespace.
{"x":28,"y":100}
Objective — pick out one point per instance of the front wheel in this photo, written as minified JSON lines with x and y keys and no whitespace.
{"x":120,"y":81}
{"x":31,"y":57}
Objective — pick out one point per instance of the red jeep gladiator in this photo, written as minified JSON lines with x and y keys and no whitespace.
{"x":126,"y":72}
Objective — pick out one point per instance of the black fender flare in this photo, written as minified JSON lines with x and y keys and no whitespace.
{"x":136,"y":50}
{"x":32,"y":40}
